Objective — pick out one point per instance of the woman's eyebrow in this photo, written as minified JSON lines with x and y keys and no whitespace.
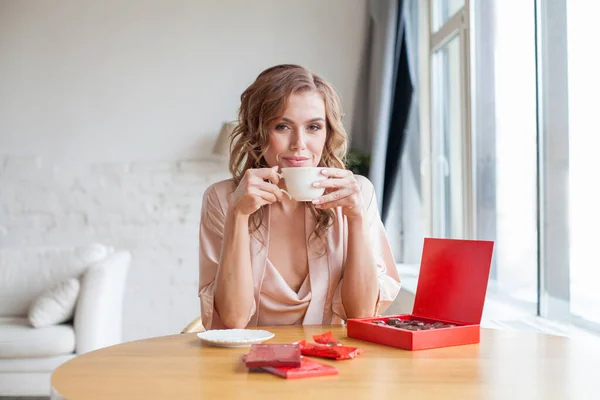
{"x":312,"y":120}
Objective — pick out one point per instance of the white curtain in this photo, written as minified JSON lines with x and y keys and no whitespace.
{"x":374,"y":97}
{"x":408,"y":202}
{"x":372,"y":116}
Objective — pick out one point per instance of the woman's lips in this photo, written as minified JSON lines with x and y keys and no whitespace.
{"x":295,"y":161}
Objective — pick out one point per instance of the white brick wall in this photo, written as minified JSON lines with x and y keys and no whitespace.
{"x":149,"y":208}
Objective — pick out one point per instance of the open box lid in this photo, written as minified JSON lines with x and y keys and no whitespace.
{"x":453,"y":280}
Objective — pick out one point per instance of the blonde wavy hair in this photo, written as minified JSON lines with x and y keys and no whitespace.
{"x":262,"y":103}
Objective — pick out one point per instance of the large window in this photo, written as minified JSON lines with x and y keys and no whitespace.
{"x":443,"y":10}
{"x":506,"y":155}
{"x":447,"y":140}
{"x":584,"y":145}
{"x":509,"y":146}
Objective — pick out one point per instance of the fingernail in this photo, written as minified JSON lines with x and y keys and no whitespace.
{"x":315,"y":201}
{"x":317,"y":184}
{"x":324,"y":171}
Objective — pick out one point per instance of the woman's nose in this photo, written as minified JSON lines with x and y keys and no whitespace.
{"x":299,"y":141}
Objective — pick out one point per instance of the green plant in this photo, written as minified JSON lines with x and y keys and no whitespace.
{"x":358,"y":162}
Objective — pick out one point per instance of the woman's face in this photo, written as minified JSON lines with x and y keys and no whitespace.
{"x":297,"y":138}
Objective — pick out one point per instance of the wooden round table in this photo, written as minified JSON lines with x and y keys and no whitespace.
{"x":504,"y":365}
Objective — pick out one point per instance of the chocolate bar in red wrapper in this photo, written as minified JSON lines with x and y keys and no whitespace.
{"x":327,"y":338}
{"x":273,"y":355}
{"x":328,"y":351}
{"x":308,"y":368}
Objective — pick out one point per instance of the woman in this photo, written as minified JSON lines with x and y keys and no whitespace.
{"x":266,"y":259}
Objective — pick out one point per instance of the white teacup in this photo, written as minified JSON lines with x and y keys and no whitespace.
{"x":299,"y":180}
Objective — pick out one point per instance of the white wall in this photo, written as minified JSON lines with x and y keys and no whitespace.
{"x":149,"y":208}
{"x":108,"y":107}
{"x":157,"y":77}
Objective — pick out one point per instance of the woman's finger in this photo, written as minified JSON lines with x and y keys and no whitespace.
{"x":331,"y":183}
{"x":336,"y":172}
{"x":334,"y":196}
{"x":268,"y":197}
{"x":265,"y":173}
{"x":346,"y":202}
{"x":271,"y":188}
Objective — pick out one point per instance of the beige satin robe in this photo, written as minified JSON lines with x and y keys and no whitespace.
{"x":318,"y":301}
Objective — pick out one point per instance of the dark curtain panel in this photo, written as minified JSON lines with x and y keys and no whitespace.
{"x":402,"y":98}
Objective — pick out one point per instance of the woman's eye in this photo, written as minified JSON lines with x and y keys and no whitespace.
{"x":314,"y":127}
{"x":281,"y":127}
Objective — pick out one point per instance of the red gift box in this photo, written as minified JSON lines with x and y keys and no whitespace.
{"x":451,"y":290}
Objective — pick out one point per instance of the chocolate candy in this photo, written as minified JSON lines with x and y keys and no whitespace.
{"x":412,"y":325}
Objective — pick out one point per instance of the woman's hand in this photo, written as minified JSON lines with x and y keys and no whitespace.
{"x":341,"y":190}
{"x":254,"y":190}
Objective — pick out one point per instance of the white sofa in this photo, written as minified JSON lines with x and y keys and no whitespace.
{"x":28,"y":355}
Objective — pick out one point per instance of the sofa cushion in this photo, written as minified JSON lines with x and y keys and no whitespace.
{"x":55,"y":305}
{"x":33,"y":364}
{"x":26,"y":273}
{"x":19,"y":339}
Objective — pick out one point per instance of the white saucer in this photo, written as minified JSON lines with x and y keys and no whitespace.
{"x":235,"y":337}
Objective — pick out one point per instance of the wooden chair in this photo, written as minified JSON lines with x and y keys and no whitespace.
{"x":194,"y":326}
